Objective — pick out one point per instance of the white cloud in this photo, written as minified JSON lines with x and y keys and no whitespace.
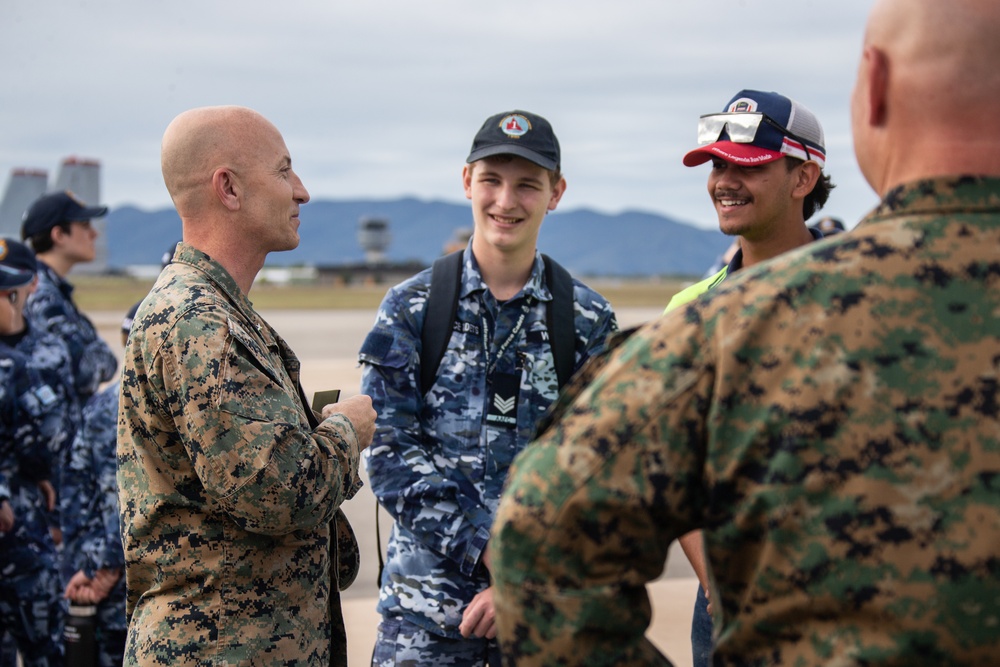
{"x":382,"y":98}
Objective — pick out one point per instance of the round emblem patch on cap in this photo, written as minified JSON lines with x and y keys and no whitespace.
{"x":743,"y":105}
{"x":515,"y":125}
{"x":3,"y":249}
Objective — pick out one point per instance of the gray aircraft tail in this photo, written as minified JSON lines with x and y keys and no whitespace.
{"x":79,"y":175}
{"x":24,"y":187}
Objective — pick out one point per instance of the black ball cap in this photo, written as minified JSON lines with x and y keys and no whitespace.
{"x":519,"y":133}
{"x":52,"y":209}
{"x":17,"y":264}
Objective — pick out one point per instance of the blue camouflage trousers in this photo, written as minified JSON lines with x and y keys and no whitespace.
{"x":32,"y":610}
{"x":111,"y":627}
{"x":404,"y":644}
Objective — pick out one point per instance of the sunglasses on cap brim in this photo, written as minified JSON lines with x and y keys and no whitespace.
{"x":741,"y":127}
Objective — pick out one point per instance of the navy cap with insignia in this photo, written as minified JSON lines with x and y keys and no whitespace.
{"x":51,"y":209}
{"x":519,"y":133}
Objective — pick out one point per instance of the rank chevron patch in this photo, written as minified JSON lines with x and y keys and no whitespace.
{"x":504,"y":405}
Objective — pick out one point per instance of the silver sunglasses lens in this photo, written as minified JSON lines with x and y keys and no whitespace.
{"x":741,"y":127}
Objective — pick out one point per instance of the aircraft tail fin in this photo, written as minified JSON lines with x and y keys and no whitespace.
{"x":24,"y":187}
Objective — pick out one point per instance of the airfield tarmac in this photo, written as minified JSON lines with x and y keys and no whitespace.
{"x":327,"y":343}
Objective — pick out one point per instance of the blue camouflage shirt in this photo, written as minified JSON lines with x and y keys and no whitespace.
{"x":439,"y":461}
{"x":25,"y":403}
{"x":51,"y":307}
{"x":49,"y":356}
{"x":89,"y":501}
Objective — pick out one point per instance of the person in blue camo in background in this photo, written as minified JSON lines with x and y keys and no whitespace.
{"x":31,"y":606}
{"x":828,"y":226}
{"x":93,"y":559}
{"x":439,"y":460}
{"x":58,"y":228}
{"x":49,"y":355}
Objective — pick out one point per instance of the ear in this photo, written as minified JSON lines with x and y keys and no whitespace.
{"x":226,"y":187}
{"x":876,"y":66}
{"x":808,"y":174}
{"x":57,"y":234}
{"x":557,"y":192}
{"x":467,"y":180}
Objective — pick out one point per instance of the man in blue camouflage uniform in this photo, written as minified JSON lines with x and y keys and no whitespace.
{"x":93,"y":560}
{"x":768,"y":153}
{"x":31,"y":606}
{"x":440,"y":459}
{"x":228,"y":482}
{"x":829,"y":418}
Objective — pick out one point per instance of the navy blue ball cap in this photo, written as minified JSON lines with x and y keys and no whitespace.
{"x":829,"y":226}
{"x":51,"y":209}
{"x":519,"y":133}
{"x":17,"y":264}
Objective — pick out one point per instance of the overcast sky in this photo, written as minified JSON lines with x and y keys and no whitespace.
{"x":381,"y":98}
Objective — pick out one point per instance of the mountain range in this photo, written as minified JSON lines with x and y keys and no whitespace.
{"x":587,"y":242}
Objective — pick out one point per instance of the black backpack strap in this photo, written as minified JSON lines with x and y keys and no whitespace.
{"x":439,"y":312}
{"x":560,"y":319}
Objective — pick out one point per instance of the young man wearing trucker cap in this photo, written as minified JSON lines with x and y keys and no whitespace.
{"x":441,"y":452}
{"x":768,"y":154}
{"x":767,"y":179}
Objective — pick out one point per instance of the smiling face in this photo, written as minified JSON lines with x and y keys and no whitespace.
{"x":754,"y":201}
{"x":274,"y":193}
{"x":510,"y":197}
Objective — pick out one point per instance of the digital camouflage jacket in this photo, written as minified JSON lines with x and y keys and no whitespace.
{"x":830,"y":418}
{"x":226,"y":492}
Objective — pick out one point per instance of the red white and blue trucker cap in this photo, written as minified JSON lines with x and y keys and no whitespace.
{"x":804,"y":138}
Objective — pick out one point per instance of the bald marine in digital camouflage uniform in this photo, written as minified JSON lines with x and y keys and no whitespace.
{"x":227,"y":481}
{"x":830,"y":417}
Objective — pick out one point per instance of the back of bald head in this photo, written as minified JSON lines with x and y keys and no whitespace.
{"x":928,"y":79}
{"x":943,"y":59}
{"x":200,"y":141}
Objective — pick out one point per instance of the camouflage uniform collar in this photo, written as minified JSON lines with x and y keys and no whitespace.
{"x":64,"y":286}
{"x":968,"y":193}
{"x":472,"y":279}
{"x":215,"y":272}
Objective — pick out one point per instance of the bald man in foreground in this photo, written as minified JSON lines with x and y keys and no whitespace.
{"x":831,"y":418}
{"x":228,"y":481}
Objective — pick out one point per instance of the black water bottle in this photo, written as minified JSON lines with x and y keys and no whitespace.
{"x":80,"y":636}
